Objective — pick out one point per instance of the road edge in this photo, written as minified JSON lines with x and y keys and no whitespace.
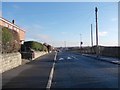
{"x":51,"y":73}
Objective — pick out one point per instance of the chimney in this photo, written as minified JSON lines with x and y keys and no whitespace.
{"x":13,"y":21}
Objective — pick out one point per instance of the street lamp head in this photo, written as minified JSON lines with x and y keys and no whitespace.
{"x":96,"y":9}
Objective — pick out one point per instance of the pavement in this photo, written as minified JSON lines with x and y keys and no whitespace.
{"x":104,"y":58}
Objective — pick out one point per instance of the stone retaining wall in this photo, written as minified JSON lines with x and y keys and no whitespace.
{"x":38,"y":54}
{"x":10,"y":61}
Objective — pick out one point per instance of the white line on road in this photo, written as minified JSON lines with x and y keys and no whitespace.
{"x":55,"y":56}
{"x":61,"y":58}
{"x":75,"y":58}
{"x":68,"y":57}
{"x":51,"y":74}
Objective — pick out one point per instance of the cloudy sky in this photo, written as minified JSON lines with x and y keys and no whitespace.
{"x":57,"y":22}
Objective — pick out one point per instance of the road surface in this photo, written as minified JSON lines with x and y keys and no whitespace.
{"x":63,"y":70}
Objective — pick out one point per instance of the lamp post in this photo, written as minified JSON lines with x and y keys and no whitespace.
{"x":97,"y":49}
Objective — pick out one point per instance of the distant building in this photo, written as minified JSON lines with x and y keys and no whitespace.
{"x":12,"y":26}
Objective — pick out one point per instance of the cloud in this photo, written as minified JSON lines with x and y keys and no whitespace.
{"x":43,"y":37}
{"x":30,"y":39}
{"x":15,"y":6}
{"x":37,"y":26}
{"x":52,"y":23}
{"x":114,"y":19}
{"x":33,"y":27}
{"x":103,"y":33}
{"x":63,"y":33}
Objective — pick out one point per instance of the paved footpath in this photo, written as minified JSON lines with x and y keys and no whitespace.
{"x":103,"y":58}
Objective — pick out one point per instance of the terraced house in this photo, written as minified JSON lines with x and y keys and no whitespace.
{"x":13,"y":26}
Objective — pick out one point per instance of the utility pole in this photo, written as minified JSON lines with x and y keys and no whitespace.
{"x":97,"y":50}
{"x":91,"y":40}
{"x":81,"y":43}
{"x":65,"y":44}
{"x":81,"y":40}
{"x":91,"y":36}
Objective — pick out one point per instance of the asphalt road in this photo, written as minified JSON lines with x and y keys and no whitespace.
{"x":76,"y":71}
{"x":70,"y":70}
{"x":31,"y":75}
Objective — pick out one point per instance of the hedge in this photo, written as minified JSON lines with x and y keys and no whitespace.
{"x":10,"y":41}
{"x":35,"y":46}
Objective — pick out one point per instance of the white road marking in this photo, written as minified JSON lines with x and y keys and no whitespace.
{"x":75,"y":58}
{"x":68,"y":57}
{"x":51,"y":74}
{"x":61,"y":58}
{"x":55,"y":56}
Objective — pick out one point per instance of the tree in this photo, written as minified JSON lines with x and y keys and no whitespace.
{"x":49,"y":47}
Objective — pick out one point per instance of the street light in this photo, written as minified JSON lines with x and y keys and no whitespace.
{"x":97,"y":50}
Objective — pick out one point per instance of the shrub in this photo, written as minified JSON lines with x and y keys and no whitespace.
{"x":10,"y":41}
{"x":45,"y":48}
{"x":48,"y":47}
{"x":34,"y":45}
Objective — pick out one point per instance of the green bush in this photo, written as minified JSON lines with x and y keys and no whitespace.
{"x":48,"y":47}
{"x":10,"y":41}
{"x":35,"y":46}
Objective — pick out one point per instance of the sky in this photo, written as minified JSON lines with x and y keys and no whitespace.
{"x":58,"y":22}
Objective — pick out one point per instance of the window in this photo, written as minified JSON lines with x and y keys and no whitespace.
{"x":10,"y":27}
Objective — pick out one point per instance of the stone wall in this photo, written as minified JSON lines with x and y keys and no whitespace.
{"x":38,"y":54}
{"x":103,"y":51}
{"x":10,"y":61}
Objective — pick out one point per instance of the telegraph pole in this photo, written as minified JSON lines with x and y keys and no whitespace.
{"x":97,"y":50}
{"x":81,"y":41}
{"x":91,"y":36}
{"x":65,"y":44}
{"x":91,"y":40}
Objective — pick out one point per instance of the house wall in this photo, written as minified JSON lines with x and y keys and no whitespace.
{"x":10,"y":25}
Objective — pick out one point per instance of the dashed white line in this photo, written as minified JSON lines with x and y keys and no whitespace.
{"x":61,"y":58}
{"x":68,"y":57}
{"x":75,"y":58}
{"x":51,"y":74}
{"x":55,"y":56}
